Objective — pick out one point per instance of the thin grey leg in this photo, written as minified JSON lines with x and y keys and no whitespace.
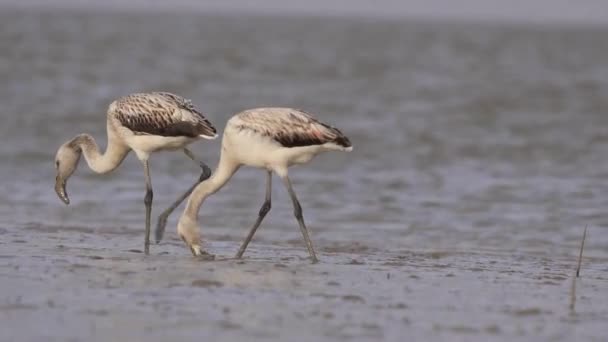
{"x":162,"y":218}
{"x":263,"y":211}
{"x":148,"y":202}
{"x":297,"y":211}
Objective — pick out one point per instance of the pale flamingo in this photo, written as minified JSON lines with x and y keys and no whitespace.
{"x":144,"y":123}
{"x":268,"y":138}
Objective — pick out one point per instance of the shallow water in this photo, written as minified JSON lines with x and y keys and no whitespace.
{"x":480,"y":154}
{"x":73,"y":286}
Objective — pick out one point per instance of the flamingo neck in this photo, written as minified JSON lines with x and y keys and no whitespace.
{"x":99,"y":162}
{"x":222,"y":174}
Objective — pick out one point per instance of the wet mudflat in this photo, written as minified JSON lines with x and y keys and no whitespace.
{"x":92,"y":287}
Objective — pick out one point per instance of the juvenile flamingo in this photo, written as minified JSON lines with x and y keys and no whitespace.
{"x":271,"y":139}
{"x":144,"y":123}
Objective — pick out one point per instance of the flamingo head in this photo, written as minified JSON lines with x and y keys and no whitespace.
{"x":66,"y":161}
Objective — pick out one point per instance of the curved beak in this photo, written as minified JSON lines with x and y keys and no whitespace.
{"x":60,"y":190}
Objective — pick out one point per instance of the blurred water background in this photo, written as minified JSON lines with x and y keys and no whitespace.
{"x":474,"y":137}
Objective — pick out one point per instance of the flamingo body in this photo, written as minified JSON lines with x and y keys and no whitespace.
{"x":276,"y":138}
{"x":151,"y":122}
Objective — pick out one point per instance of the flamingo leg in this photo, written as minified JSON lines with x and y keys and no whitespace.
{"x":298,"y":213}
{"x":263,"y":211}
{"x":162,"y":218}
{"x":148,"y":202}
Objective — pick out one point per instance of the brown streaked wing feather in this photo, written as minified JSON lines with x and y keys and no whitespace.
{"x":184,"y":103}
{"x":154,"y":114}
{"x":203,"y":126}
{"x":291,"y":127}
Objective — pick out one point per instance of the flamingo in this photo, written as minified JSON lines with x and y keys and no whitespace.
{"x":272,"y":139}
{"x":144,"y":123}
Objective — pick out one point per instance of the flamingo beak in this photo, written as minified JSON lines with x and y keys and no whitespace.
{"x":60,"y":190}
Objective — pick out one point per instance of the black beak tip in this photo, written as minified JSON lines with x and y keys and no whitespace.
{"x":61,"y":193}
{"x":64,"y":198}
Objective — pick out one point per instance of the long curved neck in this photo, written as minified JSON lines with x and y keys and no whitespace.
{"x":101,"y":163}
{"x":222,"y":174}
